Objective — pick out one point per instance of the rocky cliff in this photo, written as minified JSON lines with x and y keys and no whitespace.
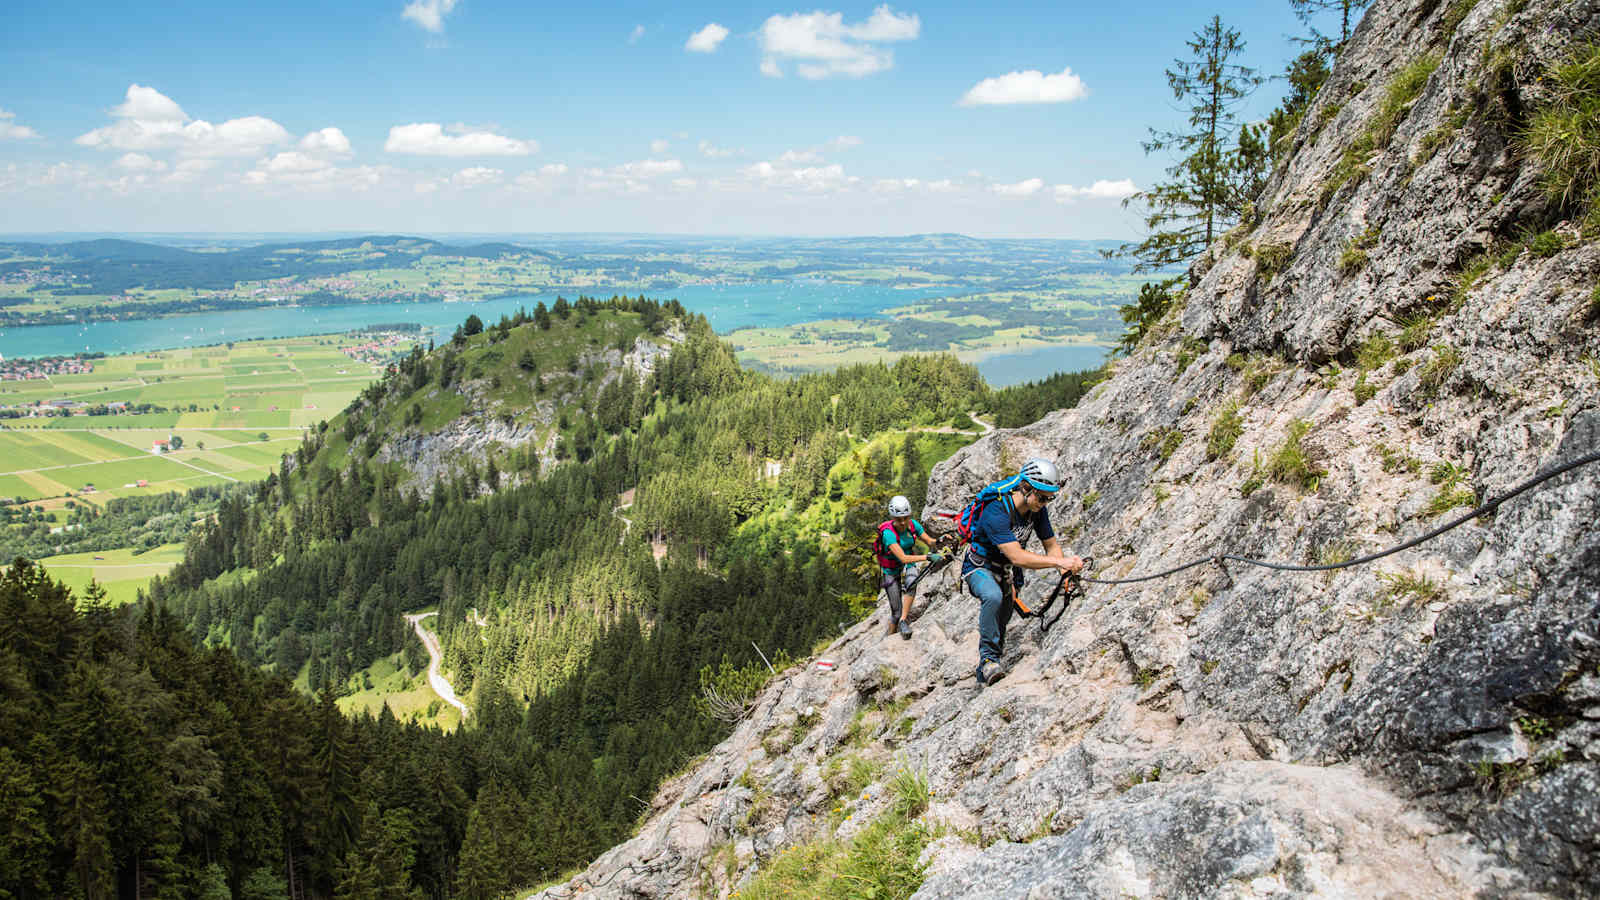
{"x":1409,"y":328}
{"x":487,"y":426}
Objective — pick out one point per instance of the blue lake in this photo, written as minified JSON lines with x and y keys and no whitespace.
{"x":1006,"y":369}
{"x":726,"y":306}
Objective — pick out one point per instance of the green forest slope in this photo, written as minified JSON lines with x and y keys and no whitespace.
{"x":584,"y":678}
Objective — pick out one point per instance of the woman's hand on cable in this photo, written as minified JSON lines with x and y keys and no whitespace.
{"x":1069,"y":564}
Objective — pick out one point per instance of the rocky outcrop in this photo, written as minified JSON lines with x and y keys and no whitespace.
{"x":486,"y":428}
{"x":1426,"y":725}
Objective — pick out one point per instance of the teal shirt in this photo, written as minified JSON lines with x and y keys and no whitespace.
{"x":907,"y":541}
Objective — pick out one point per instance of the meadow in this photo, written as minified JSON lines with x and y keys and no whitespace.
{"x":120,"y":572}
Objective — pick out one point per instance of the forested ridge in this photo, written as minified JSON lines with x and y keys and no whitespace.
{"x":583,"y":682}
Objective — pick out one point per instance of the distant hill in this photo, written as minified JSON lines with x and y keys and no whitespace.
{"x":110,"y":266}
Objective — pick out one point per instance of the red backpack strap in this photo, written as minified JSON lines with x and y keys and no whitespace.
{"x":884,"y":558}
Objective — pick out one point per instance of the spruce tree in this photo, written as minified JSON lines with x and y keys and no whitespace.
{"x":1201,"y":200}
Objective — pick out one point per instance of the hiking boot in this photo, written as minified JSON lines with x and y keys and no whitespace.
{"x":905,"y":630}
{"x":989,"y":672}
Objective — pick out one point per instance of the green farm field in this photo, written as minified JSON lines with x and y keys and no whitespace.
{"x":121,"y":572}
{"x":51,"y":462}
{"x":220,"y":400}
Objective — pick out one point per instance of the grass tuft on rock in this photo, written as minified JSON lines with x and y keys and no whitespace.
{"x":1289,"y":465}
{"x":1225,"y":431}
{"x":1402,"y":91}
{"x":1563,"y":136}
{"x":1436,"y":371}
{"x":879,"y":863}
{"x":1454,"y":488}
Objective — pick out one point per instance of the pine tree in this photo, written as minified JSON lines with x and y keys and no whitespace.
{"x":1306,"y":10}
{"x":1305,"y":74}
{"x":379,"y":867}
{"x":24,"y":839}
{"x":913,"y":483}
{"x":1184,"y":215}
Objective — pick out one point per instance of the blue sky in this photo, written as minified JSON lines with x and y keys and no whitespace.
{"x":479,"y":115}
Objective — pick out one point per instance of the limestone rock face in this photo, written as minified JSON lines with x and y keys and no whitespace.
{"x":1243,"y":829}
{"x":1424,"y":725}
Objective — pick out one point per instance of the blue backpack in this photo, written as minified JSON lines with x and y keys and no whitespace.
{"x":969,"y":516}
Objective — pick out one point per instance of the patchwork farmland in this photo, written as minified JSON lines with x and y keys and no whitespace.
{"x":236,"y":409}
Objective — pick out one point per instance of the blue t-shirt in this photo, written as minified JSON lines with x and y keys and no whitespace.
{"x":907,"y":541}
{"x":999,"y":525}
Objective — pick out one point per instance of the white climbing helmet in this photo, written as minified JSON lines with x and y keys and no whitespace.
{"x":1041,"y":475}
{"x":899,"y":506}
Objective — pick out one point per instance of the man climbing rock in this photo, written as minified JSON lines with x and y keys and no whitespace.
{"x":896,"y":538}
{"x":993,"y":523}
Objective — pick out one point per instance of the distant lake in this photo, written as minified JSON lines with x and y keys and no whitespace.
{"x":1006,"y":369}
{"x":726,"y":306}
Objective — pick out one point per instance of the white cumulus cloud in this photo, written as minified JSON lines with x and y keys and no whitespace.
{"x":190,"y":170}
{"x":428,"y":13}
{"x":823,"y":45}
{"x":138,"y":162}
{"x":149,"y":105}
{"x":1100,"y":190}
{"x":476,"y":176}
{"x":150,"y":120}
{"x":543,"y":177}
{"x":630,"y":177}
{"x":792,"y":157}
{"x":235,"y":137}
{"x":430,"y":139}
{"x":326,"y":140}
{"x":1031,"y":86}
{"x":844,"y":142}
{"x":659,"y":145}
{"x":294,"y":161}
{"x":11,"y":131}
{"x":811,"y":179}
{"x":707,"y":39}
{"x":303,"y":170}
{"x":1025,"y":188}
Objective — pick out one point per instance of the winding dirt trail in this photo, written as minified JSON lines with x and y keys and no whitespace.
{"x":435,"y":680}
